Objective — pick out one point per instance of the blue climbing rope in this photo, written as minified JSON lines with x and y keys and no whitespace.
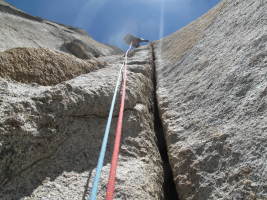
{"x":100,"y":162}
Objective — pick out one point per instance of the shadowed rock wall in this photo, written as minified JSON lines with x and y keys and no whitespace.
{"x":212,"y":83}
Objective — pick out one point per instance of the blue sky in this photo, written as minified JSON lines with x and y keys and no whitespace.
{"x":108,"y":21}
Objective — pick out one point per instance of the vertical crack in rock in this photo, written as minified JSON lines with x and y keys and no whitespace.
{"x":169,"y":187}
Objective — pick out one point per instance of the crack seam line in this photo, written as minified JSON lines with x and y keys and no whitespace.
{"x":169,"y":188}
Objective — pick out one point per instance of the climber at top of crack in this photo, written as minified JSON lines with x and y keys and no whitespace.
{"x":135,"y":41}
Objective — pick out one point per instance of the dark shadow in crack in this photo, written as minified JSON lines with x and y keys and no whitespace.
{"x":169,"y":187}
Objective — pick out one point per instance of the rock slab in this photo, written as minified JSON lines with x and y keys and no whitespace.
{"x":212,"y":94}
{"x":50,"y":136}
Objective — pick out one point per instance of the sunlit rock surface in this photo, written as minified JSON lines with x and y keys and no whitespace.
{"x":53,"y":112}
{"x":211,"y":79}
{"x":51,"y":136}
{"x":43,"y":66}
{"x":212,"y":94}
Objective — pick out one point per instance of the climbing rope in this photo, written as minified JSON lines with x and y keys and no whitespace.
{"x":116,"y":150}
{"x":100,"y":162}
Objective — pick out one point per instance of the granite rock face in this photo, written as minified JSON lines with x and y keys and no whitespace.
{"x":18,"y":29}
{"x":52,"y":118}
{"x":51,"y":135}
{"x":212,"y":95}
{"x":211,"y":89}
{"x":43,"y":66}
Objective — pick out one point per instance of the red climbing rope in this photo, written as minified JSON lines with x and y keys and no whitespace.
{"x":116,"y":150}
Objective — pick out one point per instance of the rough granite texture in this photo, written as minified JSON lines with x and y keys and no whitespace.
{"x":211,"y":79}
{"x":212,"y":94}
{"x":23,"y":30}
{"x":50,"y":136}
{"x":43,"y":66}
